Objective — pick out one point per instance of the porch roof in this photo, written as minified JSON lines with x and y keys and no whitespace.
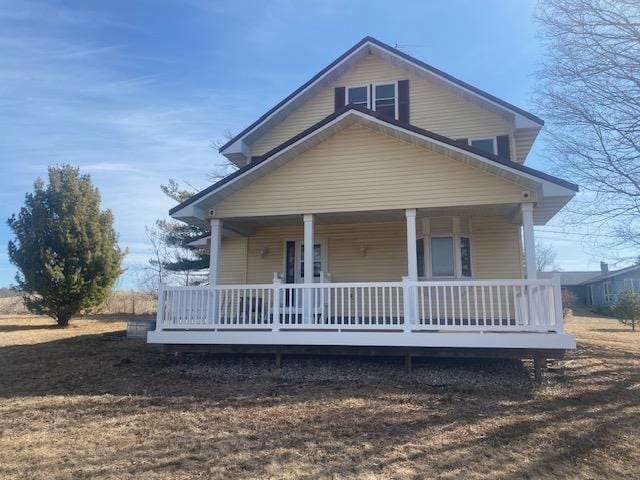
{"x":556,"y":191}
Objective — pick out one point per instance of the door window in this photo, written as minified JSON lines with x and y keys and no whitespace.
{"x":317,"y":260}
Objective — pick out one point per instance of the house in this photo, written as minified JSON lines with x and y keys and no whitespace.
{"x":411,"y":187}
{"x":573,"y":282}
{"x":601,"y":288}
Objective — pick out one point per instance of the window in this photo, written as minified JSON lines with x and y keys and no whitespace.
{"x":628,"y":284}
{"x":358,"y":96}
{"x":465,"y":256}
{"x":608,"y":296}
{"x":385,"y":99}
{"x":420,"y":255}
{"x":442,"y":257}
{"x":486,"y":144}
{"x":443,"y":248}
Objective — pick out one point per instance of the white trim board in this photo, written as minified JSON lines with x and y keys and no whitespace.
{"x":370,"y":339}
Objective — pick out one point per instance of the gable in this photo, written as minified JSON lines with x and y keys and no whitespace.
{"x":433,"y":106}
{"x":360,"y":169}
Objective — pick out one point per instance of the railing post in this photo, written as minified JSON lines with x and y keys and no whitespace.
{"x":557,"y":303}
{"x":213,"y":311}
{"x":275,"y":308}
{"x":409,"y":306}
{"x":161,"y":306}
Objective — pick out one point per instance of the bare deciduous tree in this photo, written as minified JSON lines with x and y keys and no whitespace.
{"x":153,"y":274}
{"x":545,"y":257}
{"x":590,"y":94}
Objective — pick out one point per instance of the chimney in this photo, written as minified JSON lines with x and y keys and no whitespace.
{"x":604,"y":267}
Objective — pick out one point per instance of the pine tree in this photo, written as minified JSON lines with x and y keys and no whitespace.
{"x":182,"y":260}
{"x":65,"y":247}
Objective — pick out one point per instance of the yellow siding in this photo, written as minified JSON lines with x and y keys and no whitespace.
{"x":385,"y":258}
{"x":523,"y":140}
{"x":495,"y":248}
{"x":233,"y":261}
{"x":359,"y":169}
{"x":432,"y":107}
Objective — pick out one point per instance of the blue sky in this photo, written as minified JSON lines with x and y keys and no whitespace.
{"x":134,"y":92}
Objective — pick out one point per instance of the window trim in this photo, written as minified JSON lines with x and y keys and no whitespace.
{"x":366,"y":87}
{"x":395,"y":96}
{"x":494,"y":139}
{"x":457,"y":256}
{"x":625,"y":281}
{"x":608,"y":297}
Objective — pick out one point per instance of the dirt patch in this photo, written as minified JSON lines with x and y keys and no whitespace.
{"x":86,"y":402}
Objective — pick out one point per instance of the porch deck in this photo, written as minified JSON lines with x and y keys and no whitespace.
{"x":458,"y":314}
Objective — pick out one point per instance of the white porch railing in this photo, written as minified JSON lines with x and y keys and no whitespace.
{"x":484,"y":305}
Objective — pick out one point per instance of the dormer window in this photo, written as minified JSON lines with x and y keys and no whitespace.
{"x":385,"y":100}
{"x":358,"y":96}
{"x":486,"y":144}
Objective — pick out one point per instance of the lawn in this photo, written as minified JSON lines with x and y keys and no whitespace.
{"x":86,"y":402}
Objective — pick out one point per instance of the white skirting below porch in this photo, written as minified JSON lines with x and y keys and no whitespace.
{"x":514,"y":340}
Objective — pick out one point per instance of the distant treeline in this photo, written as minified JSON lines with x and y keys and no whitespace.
{"x":7,"y":292}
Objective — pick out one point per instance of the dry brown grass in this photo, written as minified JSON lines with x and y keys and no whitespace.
{"x":118,"y":303}
{"x":87,"y":403}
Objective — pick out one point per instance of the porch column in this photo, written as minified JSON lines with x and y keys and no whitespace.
{"x":412,"y":271}
{"x":308,"y":266}
{"x":214,"y":250}
{"x":529,"y":240}
{"x":412,"y":252}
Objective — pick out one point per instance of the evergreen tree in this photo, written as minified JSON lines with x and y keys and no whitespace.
{"x":65,"y":248}
{"x":182,"y":260}
{"x":627,"y":308}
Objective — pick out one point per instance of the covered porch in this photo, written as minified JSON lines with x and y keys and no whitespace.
{"x":431,"y":282}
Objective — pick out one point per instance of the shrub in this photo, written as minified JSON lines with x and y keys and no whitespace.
{"x":627,"y":308}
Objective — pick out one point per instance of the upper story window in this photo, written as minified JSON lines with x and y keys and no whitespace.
{"x":486,"y":144}
{"x":385,"y":99}
{"x":358,"y":96}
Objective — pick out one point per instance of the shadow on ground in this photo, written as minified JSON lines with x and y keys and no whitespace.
{"x":130,"y":410}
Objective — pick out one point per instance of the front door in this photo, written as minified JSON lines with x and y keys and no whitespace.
{"x":294,"y":265}
{"x":294,"y":261}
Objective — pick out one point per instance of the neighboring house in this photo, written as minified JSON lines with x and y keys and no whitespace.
{"x":573,"y":282}
{"x":600,"y":289}
{"x":411,"y":188}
